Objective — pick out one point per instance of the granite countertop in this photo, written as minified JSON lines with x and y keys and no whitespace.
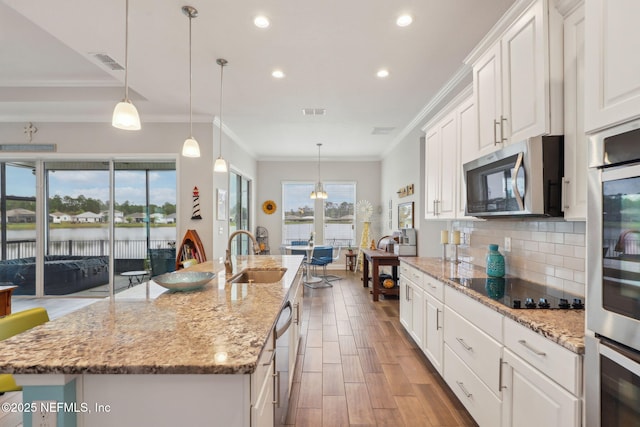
{"x":220,"y":329}
{"x":565,"y":327}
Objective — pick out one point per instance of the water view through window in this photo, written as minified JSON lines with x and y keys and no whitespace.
{"x":83,"y":231}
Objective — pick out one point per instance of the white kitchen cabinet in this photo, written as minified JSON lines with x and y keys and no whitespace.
{"x":574,"y":183}
{"x":476,"y":349}
{"x":530,"y":399}
{"x":518,"y":81}
{"x":441,"y":144}
{"x":433,"y":346}
{"x":483,"y":405}
{"x":612,"y":66}
{"x":411,"y":309}
{"x":467,"y":146}
{"x":294,"y":329}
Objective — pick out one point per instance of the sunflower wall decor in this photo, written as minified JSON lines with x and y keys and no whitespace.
{"x":269,"y":207}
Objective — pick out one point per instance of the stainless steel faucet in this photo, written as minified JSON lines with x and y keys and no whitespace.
{"x":228,"y":266}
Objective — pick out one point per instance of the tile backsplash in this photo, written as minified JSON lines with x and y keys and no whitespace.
{"x":550,"y":252}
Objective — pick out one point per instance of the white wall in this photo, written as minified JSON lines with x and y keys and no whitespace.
{"x":154,"y":141}
{"x":271,"y":174}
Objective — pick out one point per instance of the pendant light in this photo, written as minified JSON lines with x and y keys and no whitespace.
{"x":190,"y":148}
{"x":125,"y":115}
{"x":318,"y":192}
{"x":220,"y":165}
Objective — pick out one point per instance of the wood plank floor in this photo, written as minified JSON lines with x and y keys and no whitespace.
{"x":357,"y":367}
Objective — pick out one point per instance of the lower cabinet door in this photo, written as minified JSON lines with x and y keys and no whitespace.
{"x":262,"y":408}
{"x":482,"y":404}
{"x":531,"y":399}
{"x":433,"y":331}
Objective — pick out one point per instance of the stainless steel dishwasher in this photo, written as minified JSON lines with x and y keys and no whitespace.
{"x":281,"y":391}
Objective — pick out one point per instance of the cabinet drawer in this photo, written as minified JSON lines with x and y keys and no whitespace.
{"x":484,"y":406}
{"x":558,"y":363}
{"x":434,"y":287}
{"x":412,"y":274}
{"x":478,"y":350}
{"x":483,"y":317}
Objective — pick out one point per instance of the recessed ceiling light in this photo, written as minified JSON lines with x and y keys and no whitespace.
{"x":404,"y":20}
{"x":261,"y":21}
{"x":383,"y":73}
{"x":278,"y":74}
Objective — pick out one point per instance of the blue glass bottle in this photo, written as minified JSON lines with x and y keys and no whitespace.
{"x":495,"y":262}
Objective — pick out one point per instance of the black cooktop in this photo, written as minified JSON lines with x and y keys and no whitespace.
{"x":520,"y":293}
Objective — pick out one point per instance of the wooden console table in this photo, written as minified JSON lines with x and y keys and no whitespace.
{"x":378,"y":258}
{"x":5,"y":299}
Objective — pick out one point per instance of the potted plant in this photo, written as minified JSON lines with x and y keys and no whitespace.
{"x":349,"y":249}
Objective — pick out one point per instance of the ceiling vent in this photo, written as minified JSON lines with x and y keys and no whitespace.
{"x":108,"y":61}
{"x":314,"y":111}
{"x":382,"y":130}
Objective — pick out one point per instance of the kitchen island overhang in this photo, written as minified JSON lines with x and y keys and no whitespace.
{"x":150,"y":345}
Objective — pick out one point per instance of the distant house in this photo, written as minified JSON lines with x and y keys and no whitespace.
{"x":171,"y":218}
{"x":59,"y":217}
{"x":87,"y":217}
{"x":137,"y":217}
{"x":157,"y":218}
{"x":20,"y":215}
{"x":118,"y":216}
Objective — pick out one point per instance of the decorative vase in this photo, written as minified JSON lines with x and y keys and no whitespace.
{"x":495,"y":262}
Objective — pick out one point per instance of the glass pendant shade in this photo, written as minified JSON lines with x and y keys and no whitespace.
{"x":220,"y":165}
{"x":190,"y":148}
{"x":125,"y":116}
{"x":318,"y":192}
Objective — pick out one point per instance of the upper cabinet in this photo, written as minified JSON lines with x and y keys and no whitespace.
{"x":517,"y":80}
{"x":612,"y":66}
{"x":445,"y":137}
{"x":574,"y":183}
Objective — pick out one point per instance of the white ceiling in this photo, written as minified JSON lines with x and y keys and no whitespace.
{"x":329,"y":50}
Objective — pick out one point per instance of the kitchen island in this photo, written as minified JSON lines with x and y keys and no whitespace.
{"x":152,"y":357}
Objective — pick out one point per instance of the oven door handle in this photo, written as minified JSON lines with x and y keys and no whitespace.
{"x":514,"y":182}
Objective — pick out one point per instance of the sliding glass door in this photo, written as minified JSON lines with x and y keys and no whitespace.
{"x":18,"y":226}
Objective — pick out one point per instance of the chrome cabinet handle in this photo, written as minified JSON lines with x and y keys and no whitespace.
{"x":495,"y":134}
{"x":464,"y":344}
{"x":464,"y":390}
{"x":502,"y":120}
{"x":514,"y":182}
{"x":438,"y":319}
{"x":563,"y":196}
{"x":500,"y":386}
{"x":435,"y":212}
{"x":531,"y":349}
{"x":277,"y":401}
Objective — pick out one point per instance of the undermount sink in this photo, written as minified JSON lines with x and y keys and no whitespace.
{"x":256,"y":275}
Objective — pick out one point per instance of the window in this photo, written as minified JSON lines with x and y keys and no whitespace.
{"x":297,"y":211}
{"x":339,"y":218}
{"x":239,"y":213}
{"x":18,"y":224}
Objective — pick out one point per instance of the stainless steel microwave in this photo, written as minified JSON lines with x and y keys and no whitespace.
{"x":522,"y":179}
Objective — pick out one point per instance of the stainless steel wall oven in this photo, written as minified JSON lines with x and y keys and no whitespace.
{"x":612,"y":360}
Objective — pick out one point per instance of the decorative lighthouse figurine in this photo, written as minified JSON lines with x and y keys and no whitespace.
{"x":196,"y":204}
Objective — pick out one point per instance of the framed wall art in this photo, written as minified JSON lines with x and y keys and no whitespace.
{"x":405,"y":215}
{"x":222,"y":204}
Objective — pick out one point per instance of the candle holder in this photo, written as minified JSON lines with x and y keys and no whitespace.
{"x":455,"y":259}
{"x":444,"y":252}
